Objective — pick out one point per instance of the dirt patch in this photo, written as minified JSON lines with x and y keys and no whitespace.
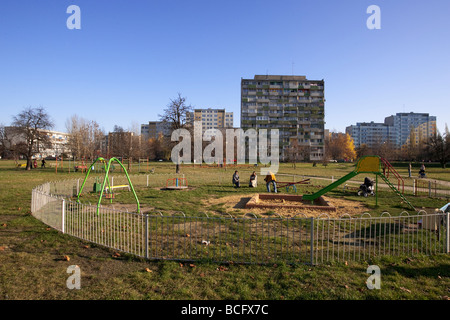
{"x":235,"y":205}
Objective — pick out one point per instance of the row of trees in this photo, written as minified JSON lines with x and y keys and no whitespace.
{"x":27,"y":136}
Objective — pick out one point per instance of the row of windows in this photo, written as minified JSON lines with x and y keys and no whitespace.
{"x":279,"y":83}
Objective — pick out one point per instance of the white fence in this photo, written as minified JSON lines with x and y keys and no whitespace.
{"x":248,"y":239}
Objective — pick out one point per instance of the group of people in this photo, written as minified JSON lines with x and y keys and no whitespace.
{"x":34,"y":164}
{"x":270,"y":180}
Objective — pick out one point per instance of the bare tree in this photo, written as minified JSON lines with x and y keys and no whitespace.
{"x":4,"y":145}
{"x":85,"y":137}
{"x":125,"y":144}
{"x":175,"y":115}
{"x":298,"y":152}
{"x":28,"y":127}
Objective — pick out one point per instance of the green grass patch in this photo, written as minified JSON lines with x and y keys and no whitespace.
{"x":33,"y":267}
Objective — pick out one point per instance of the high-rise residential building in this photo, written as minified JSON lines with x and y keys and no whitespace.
{"x":412,"y":128}
{"x":371,"y":134}
{"x":402,"y":130}
{"x":292,"y":104}
{"x":211,"y":118}
{"x":152,"y":129}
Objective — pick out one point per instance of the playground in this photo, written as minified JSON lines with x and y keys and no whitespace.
{"x":30,"y":249}
{"x":296,"y":193}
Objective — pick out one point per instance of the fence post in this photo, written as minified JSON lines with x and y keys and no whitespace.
{"x":429,"y":189}
{"x":63,"y":215}
{"x":447,"y":224}
{"x":312,"y":241}
{"x":146,"y":236}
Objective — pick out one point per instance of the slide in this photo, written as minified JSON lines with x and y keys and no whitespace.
{"x":330,"y":187}
{"x":368,"y":164}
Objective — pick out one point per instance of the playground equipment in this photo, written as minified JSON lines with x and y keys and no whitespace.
{"x":177,"y":184}
{"x":373,"y":165}
{"x":110,"y":194}
{"x":143,"y":162}
{"x":288,"y":185}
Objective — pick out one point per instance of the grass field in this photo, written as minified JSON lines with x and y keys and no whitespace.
{"x":34,"y":258}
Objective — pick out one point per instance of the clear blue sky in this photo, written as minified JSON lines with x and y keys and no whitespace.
{"x":132,"y":56}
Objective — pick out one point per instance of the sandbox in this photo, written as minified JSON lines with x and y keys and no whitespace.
{"x":288,"y":201}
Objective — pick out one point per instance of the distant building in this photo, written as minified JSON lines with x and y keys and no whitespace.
{"x":56,"y":147}
{"x":408,"y":126}
{"x":292,"y":104}
{"x":401,"y":130}
{"x":371,"y":134}
{"x":211,"y":118}
{"x":152,"y":129}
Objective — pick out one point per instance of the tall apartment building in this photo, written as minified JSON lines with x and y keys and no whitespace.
{"x":408,"y":126}
{"x":292,"y":104}
{"x":371,"y":134}
{"x":398,"y":129}
{"x":211,"y":118}
{"x":152,"y":129}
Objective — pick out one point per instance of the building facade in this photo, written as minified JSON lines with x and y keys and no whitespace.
{"x":292,"y":104}
{"x":401,"y":130}
{"x":211,"y":118}
{"x":371,"y":134}
{"x":152,"y":129}
{"x":412,"y":128}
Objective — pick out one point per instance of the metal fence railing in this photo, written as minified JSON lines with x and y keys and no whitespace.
{"x":247,"y":239}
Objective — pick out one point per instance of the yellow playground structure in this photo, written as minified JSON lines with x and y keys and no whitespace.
{"x":373,"y":165}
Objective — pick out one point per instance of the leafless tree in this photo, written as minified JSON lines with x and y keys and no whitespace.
{"x":125,"y":144}
{"x":29,"y":127}
{"x":298,"y":152}
{"x":85,"y":137}
{"x":175,"y":115}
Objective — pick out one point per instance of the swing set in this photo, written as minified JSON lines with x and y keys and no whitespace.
{"x":109,"y":188}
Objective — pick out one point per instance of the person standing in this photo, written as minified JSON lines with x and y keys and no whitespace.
{"x":270,"y":179}
{"x":409,"y":169}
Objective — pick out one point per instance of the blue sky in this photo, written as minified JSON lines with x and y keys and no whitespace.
{"x":131,"y":57}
